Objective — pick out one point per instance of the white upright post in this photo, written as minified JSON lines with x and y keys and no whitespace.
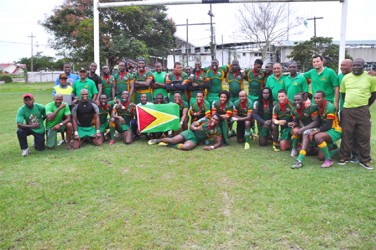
{"x":342,"y":43}
{"x":96,"y":33}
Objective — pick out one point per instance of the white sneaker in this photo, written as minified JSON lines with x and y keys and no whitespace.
{"x":294,"y":152}
{"x":25,"y":152}
{"x":61,"y":142}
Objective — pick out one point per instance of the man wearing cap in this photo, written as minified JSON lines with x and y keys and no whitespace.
{"x":71,"y":78}
{"x":85,"y":83}
{"x":29,"y":120}
{"x":86,"y":124}
{"x":56,"y":111}
{"x":63,"y":87}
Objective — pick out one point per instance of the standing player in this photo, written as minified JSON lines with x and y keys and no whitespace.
{"x":276,"y":81}
{"x":295,"y":82}
{"x":71,"y":78}
{"x":123,"y":81}
{"x":255,"y":78}
{"x":242,"y":115}
{"x":29,"y":120}
{"x":262,"y":112}
{"x":142,"y":81}
{"x":235,"y":79}
{"x":108,"y":82}
{"x":85,"y":83}
{"x":158,"y":84}
{"x":177,"y":81}
{"x":329,"y":131}
{"x":216,"y":75}
{"x":323,"y":78}
{"x":96,"y":79}
{"x":199,"y":82}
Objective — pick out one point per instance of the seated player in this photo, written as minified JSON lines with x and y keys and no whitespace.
{"x":56,"y":111}
{"x":105,"y":109}
{"x":122,"y":114}
{"x":183,"y":107}
{"x":281,"y":117}
{"x":329,"y":132}
{"x":159,"y":99}
{"x":262,"y":112}
{"x":242,"y":115}
{"x":200,"y":131}
{"x":224,"y":108}
{"x":200,"y":108}
{"x":86,"y":123}
{"x":303,"y":121}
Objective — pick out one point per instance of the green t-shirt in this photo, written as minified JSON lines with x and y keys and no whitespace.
{"x":295,"y":85}
{"x":325,"y":81}
{"x":206,"y":133}
{"x":283,"y":112}
{"x":305,"y":115}
{"x":243,"y":109}
{"x":88,"y":84}
{"x":159,"y":77}
{"x":358,"y":89}
{"x":275,"y":85}
{"x":51,"y":108}
{"x":216,"y":78}
{"x":256,"y":82}
{"x":35,"y":114}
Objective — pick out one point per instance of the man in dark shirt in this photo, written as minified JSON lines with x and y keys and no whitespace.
{"x":96,"y":79}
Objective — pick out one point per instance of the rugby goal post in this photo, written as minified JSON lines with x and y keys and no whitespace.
{"x":97,"y":5}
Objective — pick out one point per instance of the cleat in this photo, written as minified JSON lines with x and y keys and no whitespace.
{"x":366,"y":165}
{"x":297,"y":164}
{"x":276,"y":148}
{"x":246,"y":145}
{"x":294,"y":152}
{"x":327,"y":163}
{"x":112,"y":142}
{"x":153,"y":142}
{"x":25,"y":152}
{"x":162,"y":144}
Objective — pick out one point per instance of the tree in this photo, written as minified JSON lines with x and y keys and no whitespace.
{"x":302,"y":52}
{"x":129,"y":32}
{"x":41,"y":62}
{"x":267,"y":23}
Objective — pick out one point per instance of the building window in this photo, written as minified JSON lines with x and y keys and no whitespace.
{"x":244,"y":54}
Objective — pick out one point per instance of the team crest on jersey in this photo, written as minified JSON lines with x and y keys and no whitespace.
{"x":86,"y":86}
{"x":219,"y":73}
{"x":200,"y":78}
{"x":295,"y":83}
{"x":239,"y":77}
{"x":287,"y":109}
{"x":323,"y":78}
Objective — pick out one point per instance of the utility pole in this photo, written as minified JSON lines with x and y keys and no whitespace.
{"x":31,"y":66}
{"x":314,"y":23}
{"x":210,"y":13}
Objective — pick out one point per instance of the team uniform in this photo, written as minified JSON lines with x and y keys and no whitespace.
{"x":51,"y":133}
{"x":123,"y":83}
{"x":104,"y":111}
{"x":216,"y":82}
{"x":142,"y":77}
{"x":127,"y":111}
{"x":256,"y":83}
{"x":107,"y":85}
{"x":275,"y":85}
{"x":203,"y":82}
{"x":242,"y":110}
{"x":235,"y":83}
{"x":330,"y":112}
{"x":283,"y":112}
{"x":225,"y":109}
{"x":85,"y":111}
{"x":326,"y":81}
{"x":159,"y":77}
{"x":202,"y":108}
{"x":87,"y":84}
{"x":294,"y":85}
{"x":303,"y":117}
{"x":28,"y":116}
{"x":203,"y":134}
{"x":263,"y":132}
{"x":177,"y":82}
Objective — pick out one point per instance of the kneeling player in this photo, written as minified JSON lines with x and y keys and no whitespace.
{"x":199,"y":132}
{"x":262,"y":113}
{"x":242,"y":115}
{"x":105,"y":109}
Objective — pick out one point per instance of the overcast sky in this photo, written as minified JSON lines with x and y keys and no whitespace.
{"x":19,"y":18}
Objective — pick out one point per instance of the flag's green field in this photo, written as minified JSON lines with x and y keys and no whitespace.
{"x":148,"y":197}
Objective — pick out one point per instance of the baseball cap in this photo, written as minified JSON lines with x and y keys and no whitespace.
{"x":63,"y":76}
{"x":27,"y":96}
{"x":82,"y":70}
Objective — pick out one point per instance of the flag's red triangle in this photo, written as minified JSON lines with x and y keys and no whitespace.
{"x":144,"y":118}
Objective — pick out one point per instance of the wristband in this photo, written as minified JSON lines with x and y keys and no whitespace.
{"x":98,"y":131}
{"x":61,"y":124}
{"x":276,"y":122}
{"x":212,"y":147}
{"x":75,"y":133}
{"x":181,"y":123}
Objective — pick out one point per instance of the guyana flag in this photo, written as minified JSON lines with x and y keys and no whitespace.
{"x":158,"y":117}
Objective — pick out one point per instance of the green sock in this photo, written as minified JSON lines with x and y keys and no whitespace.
{"x":246,"y":135}
{"x":324,"y":148}
{"x":301,"y":155}
{"x":112,"y":132}
{"x":294,"y":142}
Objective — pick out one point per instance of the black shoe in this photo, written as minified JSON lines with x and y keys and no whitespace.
{"x":366,"y":165}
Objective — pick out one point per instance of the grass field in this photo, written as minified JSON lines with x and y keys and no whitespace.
{"x":150,"y":197}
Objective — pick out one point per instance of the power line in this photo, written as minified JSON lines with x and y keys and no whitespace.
{"x":46,"y":45}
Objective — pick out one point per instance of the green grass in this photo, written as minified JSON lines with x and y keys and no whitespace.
{"x":147,"y":197}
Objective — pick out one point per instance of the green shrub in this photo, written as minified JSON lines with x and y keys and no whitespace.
{"x":5,"y":78}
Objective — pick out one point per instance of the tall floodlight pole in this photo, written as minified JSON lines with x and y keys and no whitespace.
{"x":212,"y":50}
{"x":32,"y":53}
{"x":96,"y":34}
{"x":342,"y":42}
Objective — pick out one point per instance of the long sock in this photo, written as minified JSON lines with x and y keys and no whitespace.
{"x":246,"y":135}
{"x":112,"y":130}
{"x":324,"y":148}
{"x":301,"y":155}
{"x":294,"y":140}
{"x":275,"y":144}
{"x":177,"y":146}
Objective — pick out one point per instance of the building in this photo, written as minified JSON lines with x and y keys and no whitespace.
{"x":12,"y":68}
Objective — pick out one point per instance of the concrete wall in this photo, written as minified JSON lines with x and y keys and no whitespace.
{"x":368,"y":54}
{"x":42,"y":76}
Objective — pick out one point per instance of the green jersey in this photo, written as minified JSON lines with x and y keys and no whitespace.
{"x":176,"y":82}
{"x":243,"y":109}
{"x":329,"y":112}
{"x":294,"y":85}
{"x":268,"y":110}
{"x":206,"y":132}
{"x":223,"y":109}
{"x":283,"y":112}
{"x":304,"y":115}
{"x":104,"y":111}
{"x":123,"y":83}
{"x":51,"y":108}
{"x":182,"y":105}
{"x":143,"y":76}
{"x":326,"y":81}
{"x":88,"y":84}
{"x":107,"y":85}
{"x":216,"y":78}
{"x":256,"y":83}
{"x":199,"y":77}
{"x":36,"y":114}
{"x":235,"y":83}
{"x":202,"y":108}
{"x":275,"y":85}
{"x":125,"y":110}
